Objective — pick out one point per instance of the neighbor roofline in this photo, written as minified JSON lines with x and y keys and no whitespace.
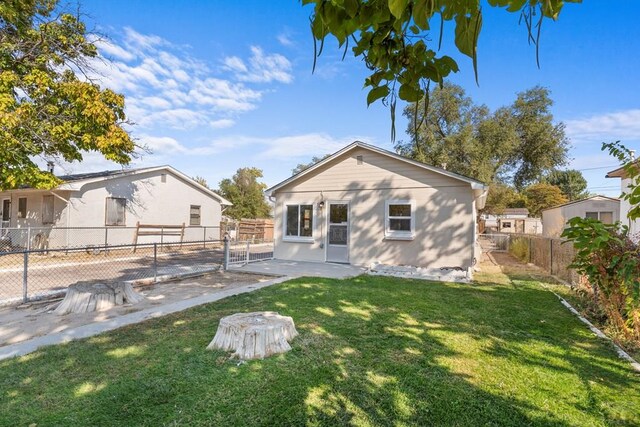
{"x":475,"y":184}
{"x":613,"y":199}
{"x":72,"y":184}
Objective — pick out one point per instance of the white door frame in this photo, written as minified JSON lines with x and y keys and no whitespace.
{"x":328,"y":204}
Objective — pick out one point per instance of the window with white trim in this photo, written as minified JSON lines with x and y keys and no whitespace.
{"x":606,"y":217}
{"x":298,"y":221}
{"x":115,"y":211}
{"x":47,"y":209}
{"x":400,"y":219}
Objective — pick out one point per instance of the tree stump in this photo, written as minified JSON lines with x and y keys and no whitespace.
{"x":85,"y":297}
{"x":254,"y":335}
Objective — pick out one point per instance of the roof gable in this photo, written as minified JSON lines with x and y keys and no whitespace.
{"x":596,"y":197}
{"x":75,"y":181}
{"x":475,"y":184}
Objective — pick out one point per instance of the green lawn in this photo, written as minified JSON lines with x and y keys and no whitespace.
{"x":371,"y":351}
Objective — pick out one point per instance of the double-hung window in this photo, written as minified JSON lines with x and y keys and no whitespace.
{"x":400,"y":222}
{"x":115,"y":211}
{"x":298,"y":222}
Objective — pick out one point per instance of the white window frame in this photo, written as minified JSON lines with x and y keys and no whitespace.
{"x":298,"y":238}
{"x":599,"y":214}
{"x":395,"y":234}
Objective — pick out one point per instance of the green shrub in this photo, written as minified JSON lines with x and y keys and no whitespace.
{"x":519,"y":248}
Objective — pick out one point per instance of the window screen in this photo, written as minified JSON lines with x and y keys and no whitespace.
{"x":22,"y":207}
{"x":194,"y":215}
{"x":47,"y":209}
{"x":115,"y":211}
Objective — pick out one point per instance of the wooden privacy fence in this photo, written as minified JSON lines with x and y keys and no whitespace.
{"x":254,"y":230}
{"x":552,"y":254}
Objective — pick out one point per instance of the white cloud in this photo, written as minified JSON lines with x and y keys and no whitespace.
{"x":285,"y":40}
{"x":167,"y":88}
{"x":222,"y":123}
{"x":283,"y":147}
{"x":263,"y":68}
{"x":236,"y":64}
{"x":162,"y":144}
{"x":622,"y":125}
{"x":109,"y":49}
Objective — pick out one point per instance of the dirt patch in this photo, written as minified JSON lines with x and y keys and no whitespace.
{"x":31,"y":320}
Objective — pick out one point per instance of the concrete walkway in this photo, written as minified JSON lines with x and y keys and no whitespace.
{"x":301,"y":268}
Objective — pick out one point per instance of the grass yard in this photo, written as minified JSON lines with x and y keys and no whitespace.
{"x":371,"y":351}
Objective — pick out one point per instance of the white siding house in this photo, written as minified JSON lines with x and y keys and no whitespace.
{"x":114,"y":200}
{"x":625,"y":206}
{"x":554,"y":220}
{"x":364,"y":204}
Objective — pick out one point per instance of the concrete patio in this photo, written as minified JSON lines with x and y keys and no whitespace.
{"x":293,"y":269}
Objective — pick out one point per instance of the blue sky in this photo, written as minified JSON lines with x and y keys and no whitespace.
{"x":217,"y":85}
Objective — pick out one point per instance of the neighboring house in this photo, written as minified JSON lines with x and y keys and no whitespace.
{"x":511,"y":220}
{"x":112,"y":199}
{"x":516,"y":224}
{"x":364,"y":204}
{"x":603,"y":208}
{"x":625,"y":206}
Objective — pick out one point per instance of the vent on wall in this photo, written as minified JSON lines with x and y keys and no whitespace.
{"x":163,"y":177}
{"x":359,"y":159}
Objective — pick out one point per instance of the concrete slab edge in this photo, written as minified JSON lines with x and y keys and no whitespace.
{"x":89,"y":330}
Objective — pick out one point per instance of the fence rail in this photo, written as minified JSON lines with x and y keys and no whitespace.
{"x":31,"y":274}
{"x":20,"y":238}
{"x":554,"y":255}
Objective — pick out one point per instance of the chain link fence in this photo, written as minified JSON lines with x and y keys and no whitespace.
{"x":36,"y":273}
{"x":12,"y":239}
{"x":552,"y":254}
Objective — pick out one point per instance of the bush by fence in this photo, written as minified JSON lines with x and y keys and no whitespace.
{"x":553,"y":255}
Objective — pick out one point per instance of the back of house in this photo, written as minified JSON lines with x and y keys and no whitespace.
{"x":364,"y":205}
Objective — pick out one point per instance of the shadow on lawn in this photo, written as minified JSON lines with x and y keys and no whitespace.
{"x":378,"y":352}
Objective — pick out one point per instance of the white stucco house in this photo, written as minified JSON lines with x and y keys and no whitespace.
{"x":364,"y":205}
{"x":625,"y":206}
{"x":111,"y":200}
{"x":603,"y":208}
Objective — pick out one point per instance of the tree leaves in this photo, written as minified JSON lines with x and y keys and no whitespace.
{"x":391,"y":37}
{"x":46,"y":111}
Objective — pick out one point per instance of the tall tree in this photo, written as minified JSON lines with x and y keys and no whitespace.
{"x":46,"y":110}
{"x":200,"y":180}
{"x":395,"y":38}
{"x":515,"y":144}
{"x":501,"y":197}
{"x":571,"y":182}
{"x":246,"y":193}
{"x":542,"y":196}
{"x":303,"y":166}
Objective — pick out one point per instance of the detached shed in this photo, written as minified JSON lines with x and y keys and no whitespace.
{"x":603,"y":208}
{"x":364,"y":204}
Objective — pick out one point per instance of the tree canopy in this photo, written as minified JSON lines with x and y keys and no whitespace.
{"x":246,"y":193}
{"x":570,"y":182}
{"x":516,"y":144}
{"x":396,"y":39}
{"x":302,"y":166}
{"x":46,"y":110}
{"x":542,"y":196}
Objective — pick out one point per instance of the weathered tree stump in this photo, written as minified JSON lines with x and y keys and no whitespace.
{"x":85,"y":297}
{"x":254,"y":335}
